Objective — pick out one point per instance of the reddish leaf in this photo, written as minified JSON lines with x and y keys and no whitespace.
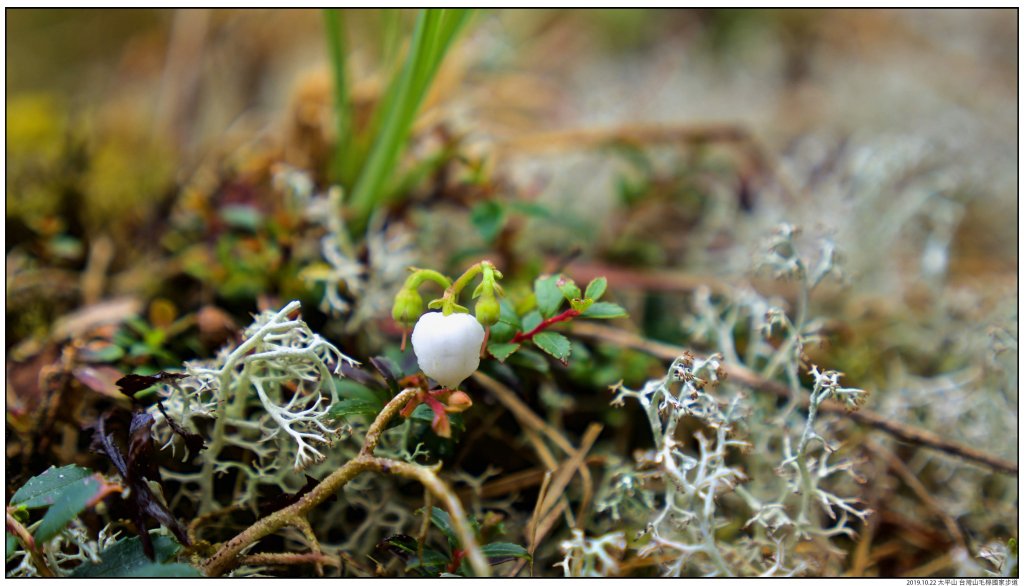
{"x":133,"y":383}
{"x":99,"y":378}
{"x":139,"y":465}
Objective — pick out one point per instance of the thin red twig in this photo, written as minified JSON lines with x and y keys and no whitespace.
{"x":526,"y":336}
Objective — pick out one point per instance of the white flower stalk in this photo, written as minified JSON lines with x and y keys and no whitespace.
{"x":447,"y":347}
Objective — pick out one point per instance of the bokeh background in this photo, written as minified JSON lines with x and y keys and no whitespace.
{"x":655,"y":147}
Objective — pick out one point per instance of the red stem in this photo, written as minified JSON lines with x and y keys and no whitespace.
{"x":564,"y":316}
{"x":457,"y":556}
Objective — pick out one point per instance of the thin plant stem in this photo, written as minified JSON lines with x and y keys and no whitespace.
{"x":564,"y":316}
{"x":29,"y":543}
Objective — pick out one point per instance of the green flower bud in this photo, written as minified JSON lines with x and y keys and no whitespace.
{"x":408,"y":306}
{"x":488,"y":310}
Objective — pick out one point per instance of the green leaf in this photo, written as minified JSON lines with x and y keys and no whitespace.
{"x":498,"y":553}
{"x":66,"y":247}
{"x":568,"y":288}
{"x":71,"y":501}
{"x":549,"y":297}
{"x":532,"y":209}
{"x":508,"y":314}
{"x":508,"y":323}
{"x":175,"y":570}
{"x":405,"y":364}
{"x":350,"y":389}
{"x":488,"y":217}
{"x":596,"y":288}
{"x":45,"y":489}
{"x":605,"y":310}
{"x":126,"y":557}
{"x":501,"y":351}
{"x":348,"y":407}
{"x":242,"y":216}
{"x":342,"y":89}
{"x":12,"y":545}
{"x":581,"y":305}
{"x":434,"y":34}
{"x":554,"y":344}
{"x":441,"y":520}
{"x":531,"y":359}
{"x":532,"y":320}
{"x":106,"y":353}
{"x":431,"y":559}
{"x":66,"y":491}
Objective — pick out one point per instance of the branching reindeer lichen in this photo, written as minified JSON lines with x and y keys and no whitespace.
{"x":290,"y":368}
{"x":685,"y":521}
{"x":776,"y":488}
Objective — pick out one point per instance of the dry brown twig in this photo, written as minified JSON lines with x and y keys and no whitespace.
{"x":560,"y":481}
{"x":751,"y":379}
{"x":288,"y":559}
{"x":914,"y":483}
{"x":518,"y":481}
{"x":552,"y":502}
{"x":531,"y":422}
{"x":583,"y":138}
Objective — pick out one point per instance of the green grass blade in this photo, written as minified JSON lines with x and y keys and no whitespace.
{"x":342,"y":91}
{"x":433,"y":36}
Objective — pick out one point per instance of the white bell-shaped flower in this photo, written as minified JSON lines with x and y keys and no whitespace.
{"x":447,"y":347}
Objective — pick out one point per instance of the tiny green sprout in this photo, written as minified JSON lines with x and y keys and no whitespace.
{"x":488,"y":310}
{"x":408,"y":305}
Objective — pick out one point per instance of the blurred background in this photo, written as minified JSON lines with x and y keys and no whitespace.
{"x":111,"y":114}
{"x":162,"y":166}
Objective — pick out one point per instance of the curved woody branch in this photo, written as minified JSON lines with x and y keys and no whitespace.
{"x":228,"y":555}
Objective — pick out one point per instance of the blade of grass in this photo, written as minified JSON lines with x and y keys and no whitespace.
{"x":433,"y":35}
{"x":342,"y":90}
{"x":388,"y":129}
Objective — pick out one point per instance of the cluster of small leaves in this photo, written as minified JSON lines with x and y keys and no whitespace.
{"x":64,"y":545}
{"x":64,"y":492}
{"x":550,"y":294}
